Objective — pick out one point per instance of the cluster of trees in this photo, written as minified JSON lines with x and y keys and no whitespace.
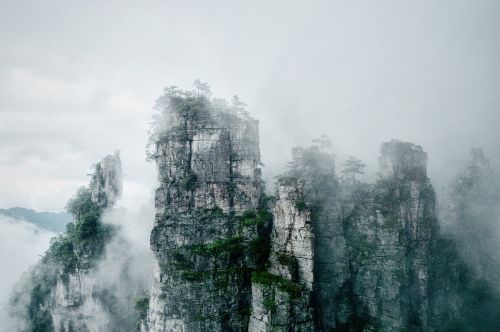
{"x":76,"y":250}
{"x":175,"y":107}
{"x":320,"y":154}
{"x":83,"y":242}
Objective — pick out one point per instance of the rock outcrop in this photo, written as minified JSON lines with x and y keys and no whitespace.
{"x":334,"y":256}
{"x":370,"y":245}
{"x":61,"y":292}
{"x":474,"y":215}
{"x":281,"y":296}
{"x":106,"y":183}
{"x":207,"y":223}
{"x":322,"y":255}
{"x":391,"y":230}
{"x":76,"y":297}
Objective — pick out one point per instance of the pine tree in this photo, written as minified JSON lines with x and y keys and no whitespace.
{"x":353,"y":166}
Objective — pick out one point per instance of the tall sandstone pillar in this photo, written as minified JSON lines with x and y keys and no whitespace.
{"x":391,"y":231}
{"x":209,"y":178}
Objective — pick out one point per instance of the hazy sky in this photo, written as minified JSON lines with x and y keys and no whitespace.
{"x":78,"y":80}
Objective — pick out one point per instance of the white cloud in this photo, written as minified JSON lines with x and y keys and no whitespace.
{"x":21,"y":245}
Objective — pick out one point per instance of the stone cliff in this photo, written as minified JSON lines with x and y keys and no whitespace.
{"x":323,"y":254}
{"x":359,"y":255}
{"x":390,"y":229}
{"x":60,"y":292}
{"x":281,"y":295}
{"x":208,"y":223}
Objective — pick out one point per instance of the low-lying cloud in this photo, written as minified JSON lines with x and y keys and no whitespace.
{"x":21,"y":245}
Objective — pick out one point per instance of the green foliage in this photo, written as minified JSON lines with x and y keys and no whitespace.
{"x":194,"y":276}
{"x":177,"y":109}
{"x":189,"y":182}
{"x":287,"y":260}
{"x":62,"y":251}
{"x":180,"y":261}
{"x":31,"y":303}
{"x":285,"y":285}
{"x":270,"y":304}
{"x":314,"y":170}
{"x":250,"y":218}
{"x":259,"y":249}
{"x":39,"y":315}
{"x":82,"y":204}
{"x":213,"y":213}
{"x":232,"y":245}
{"x":352,"y":167}
{"x":301,"y":205}
{"x":87,"y":235}
{"x":142,"y":306}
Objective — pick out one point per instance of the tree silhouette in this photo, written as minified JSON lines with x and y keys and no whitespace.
{"x":353,"y":166}
{"x":202,"y":88}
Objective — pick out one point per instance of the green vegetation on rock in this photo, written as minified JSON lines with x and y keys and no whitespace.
{"x":285,"y":285}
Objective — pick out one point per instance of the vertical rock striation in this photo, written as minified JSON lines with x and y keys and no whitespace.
{"x":370,"y":247}
{"x":106,"y":183}
{"x":310,"y":190}
{"x":207,"y":226}
{"x":281,"y":296}
{"x":391,"y":232}
{"x":61,"y":293}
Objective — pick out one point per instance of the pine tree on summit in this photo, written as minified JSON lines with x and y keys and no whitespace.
{"x":353,"y":166}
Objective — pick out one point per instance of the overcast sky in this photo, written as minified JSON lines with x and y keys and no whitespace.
{"x":78,"y":80}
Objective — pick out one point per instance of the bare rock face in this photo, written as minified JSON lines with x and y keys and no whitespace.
{"x":75,"y":305}
{"x":362,"y":258}
{"x":207,"y":221}
{"x":402,"y":160}
{"x":106,"y":182}
{"x":281,"y":296}
{"x":391,"y":231}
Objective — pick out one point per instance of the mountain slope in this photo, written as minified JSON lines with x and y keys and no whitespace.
{"x":51,"y":221}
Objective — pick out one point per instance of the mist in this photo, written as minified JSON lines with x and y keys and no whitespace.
{"x":362,"y":73}
{"x":21,"y":245}
{"x":80,"y":79}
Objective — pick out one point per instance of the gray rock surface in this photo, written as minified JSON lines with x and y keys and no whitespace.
{"x":209,"y":179}
{"x":75,"y":306}
{"x":62,"y":292}
{"x":391,"y":231}
{"x":281,"y":296}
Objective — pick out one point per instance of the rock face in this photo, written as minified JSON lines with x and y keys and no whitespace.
{"x":391,"y":231}
{"x":314,"y":173}
{"x":474,"y":212}
{"x":106,"y":183}
{"x":76,"y":304}
{"x":322,"y":255}
{"x":370,"y":246}
{"x":335,"y":258}
{"x":207,"y":223}
{"x":61,"y":293}
{"x":281,"y":296}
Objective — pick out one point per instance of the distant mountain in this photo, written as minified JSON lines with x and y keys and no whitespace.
{"x":54,"y":222}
